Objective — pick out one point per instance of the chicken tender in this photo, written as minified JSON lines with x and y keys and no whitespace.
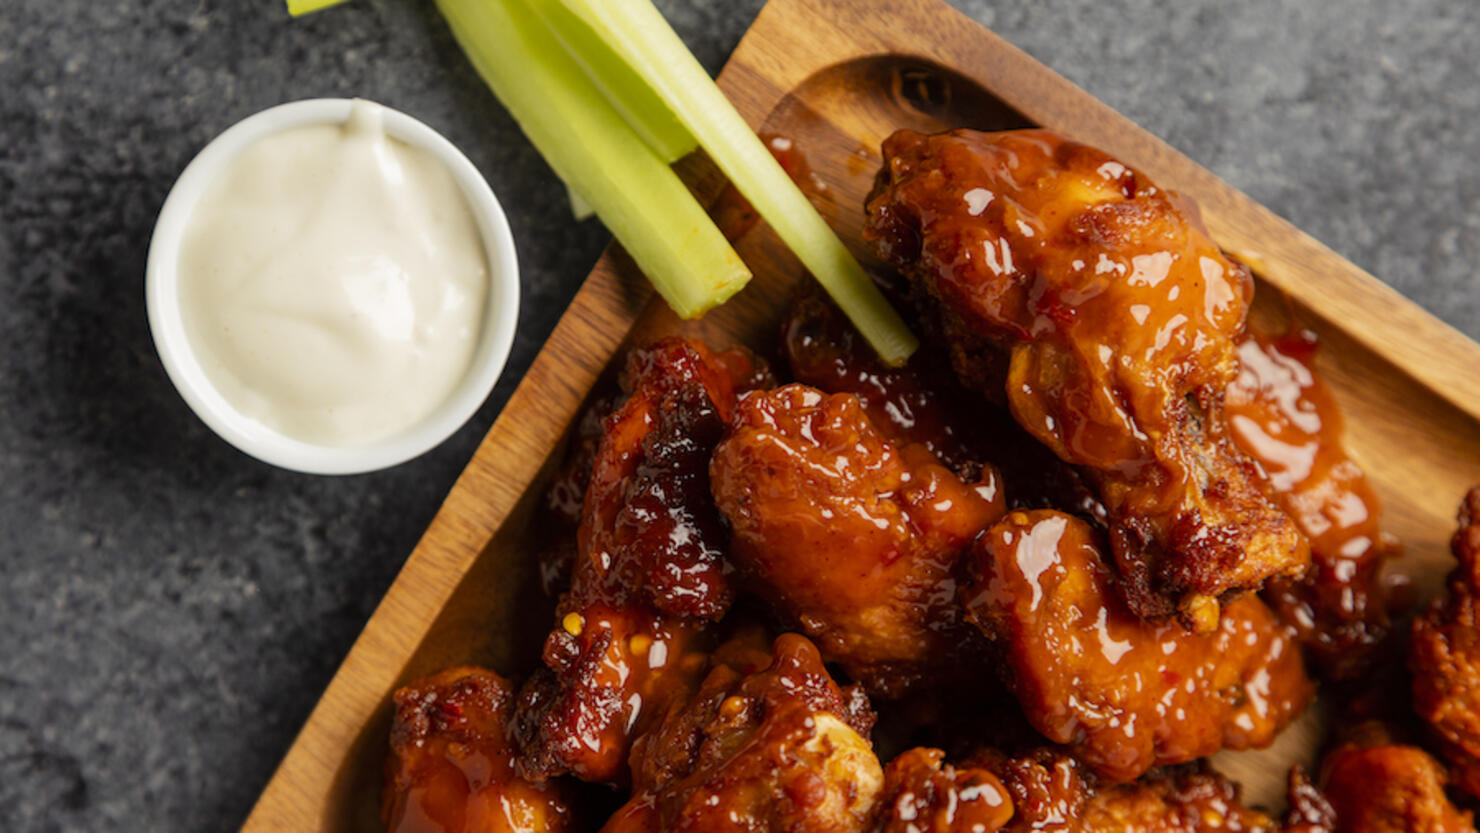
{"x":1124,"y":694}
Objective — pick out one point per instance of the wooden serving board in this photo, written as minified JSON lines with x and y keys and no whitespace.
{"x":837,"y":76}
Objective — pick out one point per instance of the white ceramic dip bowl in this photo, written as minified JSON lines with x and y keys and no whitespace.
{"x":167,"y":322}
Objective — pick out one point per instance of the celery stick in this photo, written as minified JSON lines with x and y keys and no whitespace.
{"x":592,"y":148}
{"x":302,"y":7}
{"x":579,"y":208}
{"x":637,"y":32}
{"x":645,"y":111}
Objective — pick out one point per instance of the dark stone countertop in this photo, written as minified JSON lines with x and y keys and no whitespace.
{"x":170,"y":609}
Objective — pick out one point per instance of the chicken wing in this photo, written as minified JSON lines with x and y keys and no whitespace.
{"x":922,"y":794}
{"x":1049,"y":788}
{"x":1444,"y":655}
{"x":1178,"y":801}
{"x":775,"y":749}
{"x":922,"y":402}
{"x":1377,"y":786}
{"x":852,"y":537}
{"x":1118,"y":317}
{"x":559,"y":515}
{"x":1124,"y":694}
{"x":1284,"y":418}
{"x":451,"y":768}
{"x":1049,"y":792}
{"x":650,"y":571}
{"x":1307,"y":810}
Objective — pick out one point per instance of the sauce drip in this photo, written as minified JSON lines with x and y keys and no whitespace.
{"x":1283,"y":417}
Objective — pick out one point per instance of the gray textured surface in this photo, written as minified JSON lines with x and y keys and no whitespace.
{"x":170,"y":609}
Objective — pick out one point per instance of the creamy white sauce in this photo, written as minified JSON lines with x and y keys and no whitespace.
{"x":333,"y":282}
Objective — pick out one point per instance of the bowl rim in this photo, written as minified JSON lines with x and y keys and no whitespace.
{"x":166,"y":322}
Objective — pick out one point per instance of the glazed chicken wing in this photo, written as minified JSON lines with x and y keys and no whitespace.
{"x":1180,"y":801}
{"x":1285,"y":419}
{"x":1444,"y":655}
{"x":1375,"y":785}
{"x":559,"y":515}
{"x":1049,"y":792}
{"x":1116,"y":315}
{"x":922,"y":402}
{"x":854,"y":538}
{"x":772,"y":746}
{"x":922,"y":794}
{"x":1122,"y":693}
{"x":1049,"y":788}
{"x":650,"y":572}
{"x":451,"y":768}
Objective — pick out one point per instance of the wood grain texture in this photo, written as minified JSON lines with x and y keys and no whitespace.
{"x":836,"y":76}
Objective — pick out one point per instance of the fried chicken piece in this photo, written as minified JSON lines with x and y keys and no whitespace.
{"x":1181,"y":801}
{"x":1048,"y":791}
{"x":852,"y":537}
{"x":451,"y":767}
{"x":924,"y":795}
{"x":922,"y":402}
{"x":1283,"y":417}
{"x":1307,"y":809}
{"x":559,"y":515}
{"x":1444,"y":655}
{"x":1375,"y":785}
{"x":775,"y":749}
{"x":1118,"y":315}
{"x":1122,"y":693}
{"x":916,"y":403}
{"x":650,"y":572}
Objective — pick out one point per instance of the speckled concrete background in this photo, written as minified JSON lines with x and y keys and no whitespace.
{"x":170,"y":609}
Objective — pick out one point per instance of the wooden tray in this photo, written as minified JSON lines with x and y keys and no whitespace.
{"x":837,"y":76}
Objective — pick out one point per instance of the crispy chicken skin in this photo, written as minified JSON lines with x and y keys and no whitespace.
{"x":922,"y":794}
{"x":922,"y":402}
{"x":1284,"y":418}
{"x":776,"y":747}
{"x":1049,"y":788}
{"x":451,"y":768}
{"x":916,"y":403}
{"x":650,"y":572}
{"x":1190,"y":801}
{"x":1122,"y":693}
{"x":1118,"y":316}
{"x":853,"y":538}
{"x":1048,"y":791}
{"x":559,"y":516}
{"x":1306,"y":810}
{"x":1444,"y":655}
{"x":1375,"y":785}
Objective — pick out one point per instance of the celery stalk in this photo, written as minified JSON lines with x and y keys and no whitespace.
{"x":645,"y":111}
{"x":589,"y":145}
{"x":637,"y":32}
{"x":297,"y":8}
{"x":579,"y":208}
